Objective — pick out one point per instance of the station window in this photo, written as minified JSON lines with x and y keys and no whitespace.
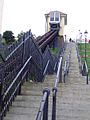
{"x":52,"y":16}
{"x":56,"y":16}
{"x":52,"y":19}
{"x":56,"y":19}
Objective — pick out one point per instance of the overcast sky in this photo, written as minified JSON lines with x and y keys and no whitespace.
{"x":23,"y":15}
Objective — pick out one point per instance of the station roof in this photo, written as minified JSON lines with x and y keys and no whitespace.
{"x":61,"y":14}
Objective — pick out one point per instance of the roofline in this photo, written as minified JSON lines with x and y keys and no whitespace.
{"x":62,"y":14}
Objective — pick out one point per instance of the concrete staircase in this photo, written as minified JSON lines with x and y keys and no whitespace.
{"x":73,"y":97}
{"x":26,"y":105}
{"x":73,"y":100}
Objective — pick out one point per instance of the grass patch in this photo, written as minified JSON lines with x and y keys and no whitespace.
{"x":54,"y":51}
{"x":81,"y":48}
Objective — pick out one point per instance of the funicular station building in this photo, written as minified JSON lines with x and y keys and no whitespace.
{"x":56,"y":20}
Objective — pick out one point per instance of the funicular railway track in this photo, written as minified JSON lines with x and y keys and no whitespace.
{"x":46,"y":39}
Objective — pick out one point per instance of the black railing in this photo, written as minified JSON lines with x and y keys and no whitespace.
{"x":65,"y":71}
{"x":48,"y":56}
{"x":13,"y":90}
{"x":66,"y":66}
{"x":25,"y":60}
{"x":83,"y":67}
{"x":54,"y":90}
{"x":14,"y":69}
{"x":79,"y":59}
{"x":43,"y":109}
{"x":57,"y":57}
{"x":85,"y":71}
{"x":46,"y":68}
{"x":42,"y":114}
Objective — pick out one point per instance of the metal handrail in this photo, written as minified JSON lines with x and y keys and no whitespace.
{"x":43,"y":109}
{"x":9,"y":98}
{"x":66,"y":66}
{"x":17,"y":48}
{"x":54,"y":90}
{"x":85,"y":69}
{"x":58,"y":76}
{"x":45,"y":70}
{"x":42,"y":114}
{"x":79,"y":60}
{"x":65,"y":70}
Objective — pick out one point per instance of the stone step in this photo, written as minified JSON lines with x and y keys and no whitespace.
{"x":23,"y":117}
{"x":73,"y":97}
{"x":26,"y":105}
{"x":20,"y":117}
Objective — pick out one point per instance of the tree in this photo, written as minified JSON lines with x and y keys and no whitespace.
{"x":20,"y":35}
{"x":9,"y":37}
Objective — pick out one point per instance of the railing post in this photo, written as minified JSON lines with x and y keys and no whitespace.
{"x":27,"y":75}
{"x":23,"y":55}
{"x":60,"y":74}
{"x":54,"y":90}
{"x":19,"y":91}
{"x":45,"y":110}
{"x":23,"y":52}
{"x":0,"y":91}
{"x":1,"y":102}
{"x":64,"y":78}
{"x":65,"y":71}
{"x":87,"y":78}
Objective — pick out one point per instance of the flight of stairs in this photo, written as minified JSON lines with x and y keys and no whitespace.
{"x":26,"y":105}
{"x":73,"y":99}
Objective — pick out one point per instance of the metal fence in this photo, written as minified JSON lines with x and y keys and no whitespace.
{"x":85,"y":71}
{"x":82,"y":67}
{"x":79,"y":59}
{"x":66,"y":66}
{"x":57,"y":67}
{"x":54,"y":90}
{"x":43,"y":109}
{"x":23,"y":60}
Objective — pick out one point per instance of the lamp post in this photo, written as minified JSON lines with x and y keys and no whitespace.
{"x":80,"y":40}
{"x":85,"y":33}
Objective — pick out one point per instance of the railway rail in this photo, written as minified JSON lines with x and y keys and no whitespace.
{"x":46,"y":39}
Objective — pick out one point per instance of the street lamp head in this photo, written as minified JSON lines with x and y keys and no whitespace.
{"x":85,"y":32}
{"x":80,"y":33}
